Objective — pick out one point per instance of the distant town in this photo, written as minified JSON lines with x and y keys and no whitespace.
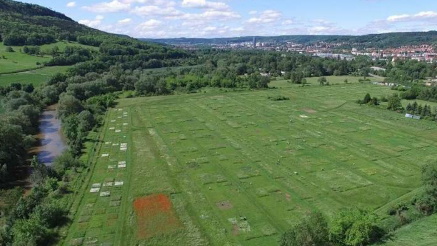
{"x":335,"y":50}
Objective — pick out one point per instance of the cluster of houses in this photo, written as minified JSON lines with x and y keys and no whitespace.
{"x":425,"y":53}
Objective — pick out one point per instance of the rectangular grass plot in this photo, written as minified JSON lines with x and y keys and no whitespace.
{"x":155,"y":216}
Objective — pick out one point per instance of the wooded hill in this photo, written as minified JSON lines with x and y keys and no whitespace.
{"x":32,"y":25}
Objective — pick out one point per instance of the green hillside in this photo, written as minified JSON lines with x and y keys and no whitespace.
{"x":34,"y":38}
{"x":419,"y":233}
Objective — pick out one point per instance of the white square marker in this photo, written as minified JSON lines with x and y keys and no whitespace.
{"x":105,"y":194}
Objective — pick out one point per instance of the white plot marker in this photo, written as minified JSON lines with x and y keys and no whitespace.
{"x":105,"y":194}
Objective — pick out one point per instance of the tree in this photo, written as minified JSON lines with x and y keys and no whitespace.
{"x":40,"y":171}
{"x":74,"y":135}
{"x":296,"y":77}
{"x":374,"y":101}
{"x":354,"y":228}
{"x":312,"y":231}
{"x":64,"y":162}
{"x":12,"y":149}
{"x":68,"y":105}
{"x":86,"y":121}
{"x":394,"y":103}
{"x":410,"y":108}
{"x":322,"y":81}
{"x":367,"y":98}
{"x":54,"y":51}
{"x":30,"y":232}
{"x":9,"y":49}
{"x":427,"y":203}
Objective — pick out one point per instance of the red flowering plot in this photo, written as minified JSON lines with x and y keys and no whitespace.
{"x":155,"y":216}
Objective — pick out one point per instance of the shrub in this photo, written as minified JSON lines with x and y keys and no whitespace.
{"x":278,"y":98}
{"x":313,"y":230}
{"x":355,"y":228}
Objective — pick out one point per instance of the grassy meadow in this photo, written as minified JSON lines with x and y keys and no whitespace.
{"x":35,"y":77}
{"x":17,"y":61}
{"x":419,"y":233}
{"x":237,"y":168}
{"x":17,"y":67}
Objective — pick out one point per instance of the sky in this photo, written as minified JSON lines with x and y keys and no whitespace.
{"x":233,"y":18}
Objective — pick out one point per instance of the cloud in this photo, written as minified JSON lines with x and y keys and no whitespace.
{"x":421,"y":16}
{"x":108,"y":7}
{"x":152,"y":23}
{"x":151,"y":2}
{"x":203,"y":4}
{"x":93,"y":23}
{"x":153,"y":10}
{"x":71,"y":4}
{"x":124,"y":21}
{"x":268,"y":16}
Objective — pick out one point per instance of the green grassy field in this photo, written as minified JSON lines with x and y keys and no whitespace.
{"x":420,"y":102}
{"x":419,"y":233}
{"x":240,"y":169}
{"x":17,"y":61}
{"x":35,"y":77}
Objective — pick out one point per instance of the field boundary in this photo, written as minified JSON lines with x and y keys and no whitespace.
{"x":74,"y":207}
{"x":22,"y":71}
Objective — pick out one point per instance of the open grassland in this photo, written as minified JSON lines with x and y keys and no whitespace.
{"x":35,"y":77}
{"x":420,"y":102}
{"x":419,"y":233}
{"x":333,"y":80}
{"x":239,"y":169}
{"x":17,"y":61}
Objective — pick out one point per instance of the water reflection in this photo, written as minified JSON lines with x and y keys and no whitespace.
{"x":52,"y":143}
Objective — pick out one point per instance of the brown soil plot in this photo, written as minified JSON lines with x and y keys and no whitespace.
{"x":155,"y":216}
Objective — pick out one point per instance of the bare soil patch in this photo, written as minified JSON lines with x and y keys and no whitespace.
{"x":155,"y":216}
{"x":224,"y":205}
